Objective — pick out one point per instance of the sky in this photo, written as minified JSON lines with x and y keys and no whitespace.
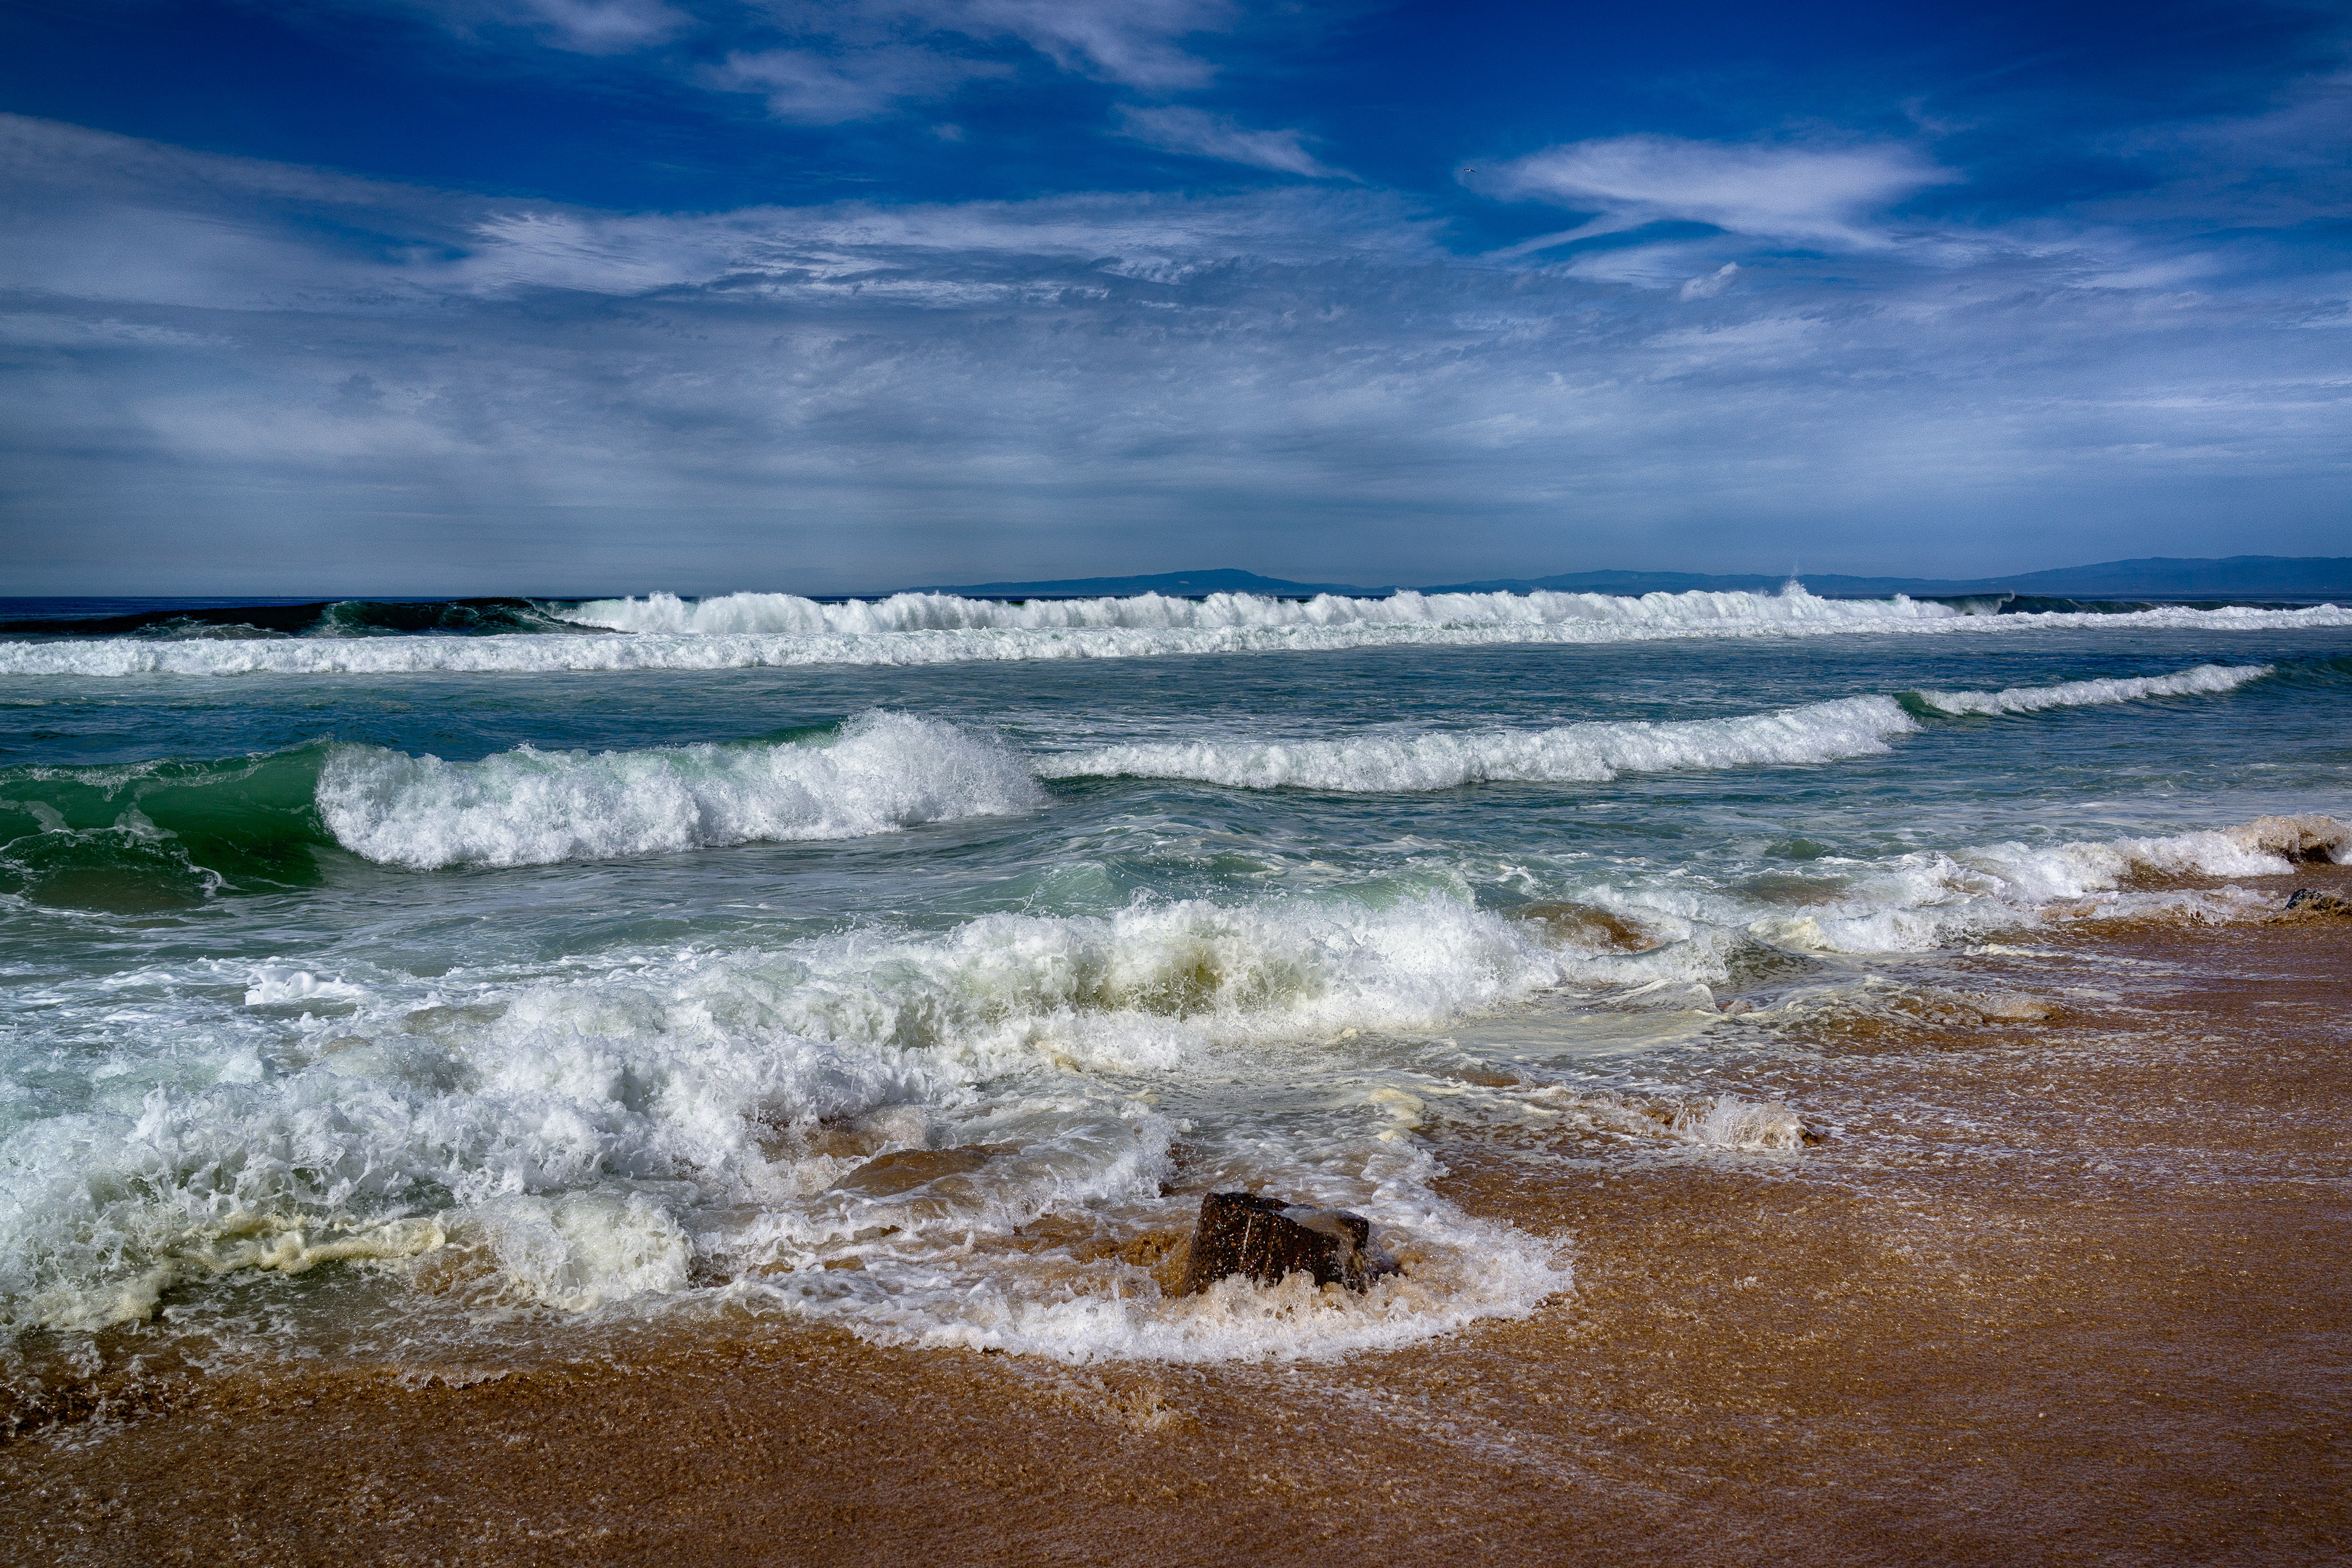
{"x":604,"y":295}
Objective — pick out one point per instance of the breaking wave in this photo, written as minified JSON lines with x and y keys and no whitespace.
{"x":950,"y":1138}
{"x":1597,"y":752}
{"x":897,"y":1106}
{"x":156,"y":835}
{"x":1931,"y":900}
{"x":744,"y":631}
{"x":526,"y":807}
{"x":2203,"y":680}
{"x":787,"y":614}
{"x":1571,"y":753}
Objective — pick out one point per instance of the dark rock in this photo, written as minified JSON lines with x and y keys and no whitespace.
{"x":1265,"y":1238}
{"x":2312,"y":902}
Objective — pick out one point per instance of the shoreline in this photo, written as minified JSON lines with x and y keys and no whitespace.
{"x":2060,"y":1288}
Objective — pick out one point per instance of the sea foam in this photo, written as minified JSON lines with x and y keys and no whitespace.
{"x":881,"y":771}
{"x":1598,"y":751}
{"x":591,"y":1133}
{"x":1591,"y":753}
{"x":585,"y":1136}
{"x":2205,"y":679}
{"x":747,"y":631}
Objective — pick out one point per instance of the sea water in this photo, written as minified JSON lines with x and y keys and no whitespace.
{"x":416,"y":980}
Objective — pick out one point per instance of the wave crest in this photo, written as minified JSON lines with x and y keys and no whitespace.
{"x":1571,"y":753}
{"x":791,"y":615}
{"x":528,"y":808}
{"x":779,"y":630}
{"x":2205,"y":679}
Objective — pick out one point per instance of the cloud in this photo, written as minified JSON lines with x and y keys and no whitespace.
{"x":828,"y":61}
{"x":1218,"y":136}
{"x":408,"y":390}
{"x":580,"y":26}
{"x":1709,"y":285}
{"x":1132,"y":42}
{"x":810,"y":88}
{"x":1815,"y":196}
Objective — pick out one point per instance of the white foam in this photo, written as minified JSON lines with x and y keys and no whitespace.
{"x":1591,"y":753}
{"x":786,"y":612}
{"x":598,"y":1132}
{"x":745,"y":631}
{"x":881,"y":772}
{"x":1923,"y":901}
{"x":594,"y":1133}
{"x":2205,"y":679}
{"x":1728,"y":1121}
{"x":577,"y":1251}
{"x":275,"y":984}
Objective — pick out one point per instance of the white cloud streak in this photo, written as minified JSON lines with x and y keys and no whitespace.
{"x":204,"y":357}
{"x":809,"y":87}
{"x":1218,"y":136}
{"x":1825,"y":197}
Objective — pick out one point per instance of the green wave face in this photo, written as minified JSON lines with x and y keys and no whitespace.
{"x":160,"y":836}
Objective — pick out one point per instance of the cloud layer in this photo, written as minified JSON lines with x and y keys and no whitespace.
{"x":242,"y":375}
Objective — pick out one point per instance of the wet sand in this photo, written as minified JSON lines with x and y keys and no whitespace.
{"x":2055,"y":1289}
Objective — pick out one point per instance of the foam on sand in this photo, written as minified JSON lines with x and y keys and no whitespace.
{"x":607,"y":1134}
{"x":1932,"y":900}
{"x":872,"y":1126}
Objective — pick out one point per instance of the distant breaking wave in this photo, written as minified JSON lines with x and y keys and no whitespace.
{"x":739,"y":614}
{"x":747,"y":631}
{"x":1597,"y":752}
{"x":2205,"y":679}
{"x":1572,"y":754}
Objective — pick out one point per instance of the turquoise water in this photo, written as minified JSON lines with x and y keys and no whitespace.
{"x":448,"y":987}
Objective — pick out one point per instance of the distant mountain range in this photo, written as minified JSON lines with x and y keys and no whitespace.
{"x":2273,"y":578}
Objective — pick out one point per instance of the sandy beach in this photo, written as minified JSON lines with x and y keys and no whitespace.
{"x":2063,"y":1288}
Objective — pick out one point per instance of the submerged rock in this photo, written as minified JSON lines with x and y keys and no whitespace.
{"x":1587,"y":926}
{"x":1265,"y":1238}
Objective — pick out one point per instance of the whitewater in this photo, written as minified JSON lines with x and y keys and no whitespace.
{"x":782,"y":631}
{"x":865,"y":963}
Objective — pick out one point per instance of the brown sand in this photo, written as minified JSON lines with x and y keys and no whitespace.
{"x":2052,"y":1291}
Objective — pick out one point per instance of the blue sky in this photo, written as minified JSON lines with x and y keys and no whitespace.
{"x":446,"y":296}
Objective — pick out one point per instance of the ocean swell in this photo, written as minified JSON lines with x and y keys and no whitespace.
{"x":781,"y":630}
{"x":1571,"y":753}
{"x":1600,"y":751}
{"x":524,"y":807}
{"x":2205,"y":679}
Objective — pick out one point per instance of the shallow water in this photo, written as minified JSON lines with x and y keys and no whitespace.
{"x":432,"y":994}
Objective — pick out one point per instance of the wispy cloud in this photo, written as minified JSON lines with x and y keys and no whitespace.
{"x":839,"y":59}
{"x":582,"y":27}
{"x":1827,"y":197}
{"x":799,"y":395}
{"x":809,"y":87}
{"x":1136,"y":43}
{"x":1219,"y":136}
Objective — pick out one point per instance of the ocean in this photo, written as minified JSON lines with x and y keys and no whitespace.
{"x":431,"y":985}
